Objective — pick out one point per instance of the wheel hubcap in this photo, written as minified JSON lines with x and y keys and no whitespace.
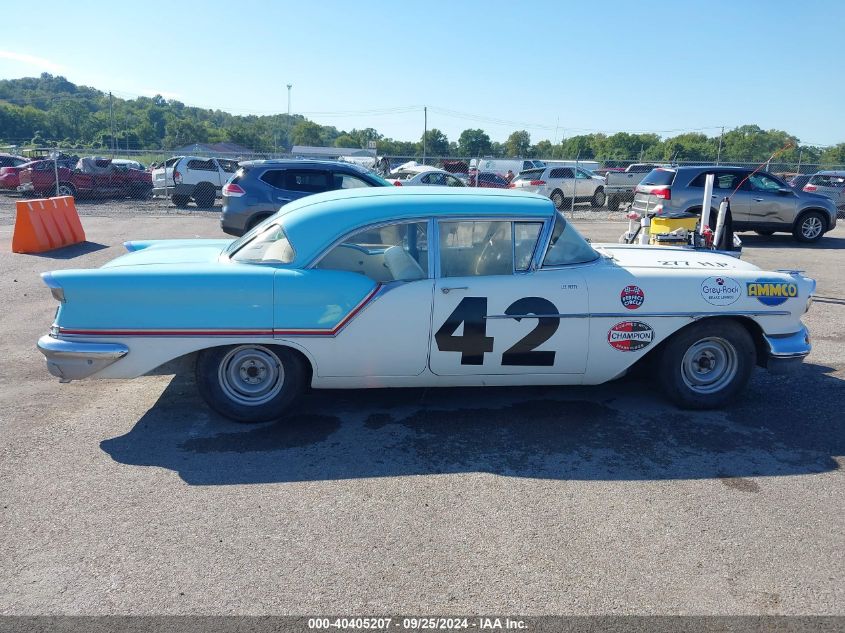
{"x":811,"y":227}
{"x":64,"y":191}
{"x":709,"y":365}
{"x":251,"y":375}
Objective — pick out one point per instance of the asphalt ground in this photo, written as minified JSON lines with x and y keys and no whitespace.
{"x":131,"y":497}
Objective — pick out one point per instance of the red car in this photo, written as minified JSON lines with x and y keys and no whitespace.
{"x":487,"y":179}
{"x":9,"y":176}
{"x":93,"y":177}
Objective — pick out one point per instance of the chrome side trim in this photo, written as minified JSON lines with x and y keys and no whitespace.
{"x":638,"y":315}
{"x":73,"y":360}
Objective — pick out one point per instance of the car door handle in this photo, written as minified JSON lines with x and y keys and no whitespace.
{"x":758,"y":199}
{"x":447,"y":290}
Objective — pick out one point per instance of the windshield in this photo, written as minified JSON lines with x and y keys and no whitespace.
{"x":567,"y":246}
{"x":267,"y":242}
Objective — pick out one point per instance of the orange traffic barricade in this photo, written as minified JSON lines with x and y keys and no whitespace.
{"x":42,"y":225}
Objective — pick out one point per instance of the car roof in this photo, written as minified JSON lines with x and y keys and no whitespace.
{"x":831,"y":172}
{"x":314,"y":222}
{"x":296,"y":162}
{"x":706,"y":168}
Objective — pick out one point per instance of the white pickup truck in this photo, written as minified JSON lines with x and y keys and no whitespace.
{"x":619,"y":185}
{"x":184,"y":178}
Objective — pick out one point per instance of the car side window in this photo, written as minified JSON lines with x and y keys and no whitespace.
{"x":582,"y":175}
{"x":471,"y":248}
{"x":525,"y":236}
{"x":229,"y":166}
{"x":761,"y":182}
{"x":561,"y":172}
{"x":202,"y":165}
{"x":347,"y":181}
{"x":426,"y":179}
{"x":306,"y":181}
{"x":396,"y":252}
{"x":451,"y":181}
{"x":275,"y":178}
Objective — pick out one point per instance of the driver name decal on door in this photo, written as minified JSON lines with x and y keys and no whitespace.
{"x":474,"y":342}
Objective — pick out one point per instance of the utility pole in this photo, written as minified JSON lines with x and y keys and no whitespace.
{"x":719,"y":155}
{"x":111,"y":124}
{"x":425,"y":129}
{"x":290,"y":140}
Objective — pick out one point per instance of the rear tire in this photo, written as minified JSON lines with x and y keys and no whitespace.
{"x":180,"y":201}
{"x":613,"y":203}
{"x":705,"y":365}
{"x":250,"y":383}
{"x":557,"y":199}
{"x":810,"y":227}
{"x":204,"y":194}
{"x":255,"y":221}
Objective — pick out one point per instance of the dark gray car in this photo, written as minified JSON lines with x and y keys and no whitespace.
{"x":260,"y":187}
{"x":760,"y":201}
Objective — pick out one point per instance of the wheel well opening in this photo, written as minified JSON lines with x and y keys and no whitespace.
{"x":751,"y":326}
{"x":821,"y":212}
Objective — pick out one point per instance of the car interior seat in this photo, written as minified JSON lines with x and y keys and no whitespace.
{"x":401,"y":265}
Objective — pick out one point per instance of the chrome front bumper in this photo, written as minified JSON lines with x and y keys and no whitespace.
{"x":73,"y":360}
{"x":786,"y":351}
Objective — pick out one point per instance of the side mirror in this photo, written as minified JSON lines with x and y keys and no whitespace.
{"x":785,"y":191}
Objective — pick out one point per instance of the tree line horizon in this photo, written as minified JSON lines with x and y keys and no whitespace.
{"x":51,"y":111}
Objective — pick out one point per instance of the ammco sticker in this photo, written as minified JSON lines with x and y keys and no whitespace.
{"x":720,"y":291}
{"x":630,"y":336}
{"x":772,"y":292}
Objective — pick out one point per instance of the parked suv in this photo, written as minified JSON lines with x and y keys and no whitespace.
{"x":830,"y":184}
{"x":561,"y":183}
{"x":186,"y":178}
{"x":760,"y":202}
{"x":260,"y":187}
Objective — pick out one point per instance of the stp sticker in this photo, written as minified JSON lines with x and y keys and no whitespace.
{"x":720,"y":291}
{"x":632,"y":297}
{"x":630,"y":336}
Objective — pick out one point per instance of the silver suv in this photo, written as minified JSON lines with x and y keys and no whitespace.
{"x":760,"y":202}
{"x":830,"y":184}
{"x":561,"y":183}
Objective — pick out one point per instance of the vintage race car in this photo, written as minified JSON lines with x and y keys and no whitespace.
{"x":418,"y":287}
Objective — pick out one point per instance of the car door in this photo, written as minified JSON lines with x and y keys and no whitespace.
{"x":771,"y":202}
{"x":380,"y":328}
{"x":585,"y":186}
{"x":492,"y":314}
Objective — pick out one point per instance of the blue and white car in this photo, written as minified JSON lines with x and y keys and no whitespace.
{"x":423,"y":286}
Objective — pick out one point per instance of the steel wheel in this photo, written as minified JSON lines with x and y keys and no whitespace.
{"x":709,"y":365}
{"x":251,"y":375}
{"x":557,"y":199}
{"x":66,"y":190}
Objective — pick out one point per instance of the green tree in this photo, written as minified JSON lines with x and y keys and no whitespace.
{"x":474,"y":143}
{"x":518,"y":143}
{"x":436,"y":143}
{"x":834,"y":155}
{"x":306,"y":133}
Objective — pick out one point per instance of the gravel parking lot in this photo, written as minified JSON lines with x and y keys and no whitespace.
{"x":130,"y":497}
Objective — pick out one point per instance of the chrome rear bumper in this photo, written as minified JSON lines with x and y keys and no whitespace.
{"x":786,"y":351}
{"x":74,"y":360}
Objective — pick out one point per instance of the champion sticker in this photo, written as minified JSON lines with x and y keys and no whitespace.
{"x":630,"y":336}
{"x":720,"y":291}
{"x":632,"y":297}
{"x":771,"y":292}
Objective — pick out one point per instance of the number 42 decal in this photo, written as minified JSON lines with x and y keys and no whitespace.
{"x":474,"y":343}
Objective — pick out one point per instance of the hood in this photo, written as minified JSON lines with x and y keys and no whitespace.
{"x":665,"y":258}
{"x":142,"y":253}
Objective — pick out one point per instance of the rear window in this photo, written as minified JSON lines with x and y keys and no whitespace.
{"x":827,"y":180}
{"x":403,"y":175}
{"x":530,"y":174}
{"x":659,"y":177}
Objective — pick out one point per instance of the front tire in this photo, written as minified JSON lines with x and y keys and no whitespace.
{"x":250,"y":383}
{"x":598,"y":199}
{"x":204,"y":195}
{"x":810,"y":227}
{"x":65,"y":189}
{"x":705,"y":365}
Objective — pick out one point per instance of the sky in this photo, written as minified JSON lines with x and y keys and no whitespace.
{"x":555,"y":69}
